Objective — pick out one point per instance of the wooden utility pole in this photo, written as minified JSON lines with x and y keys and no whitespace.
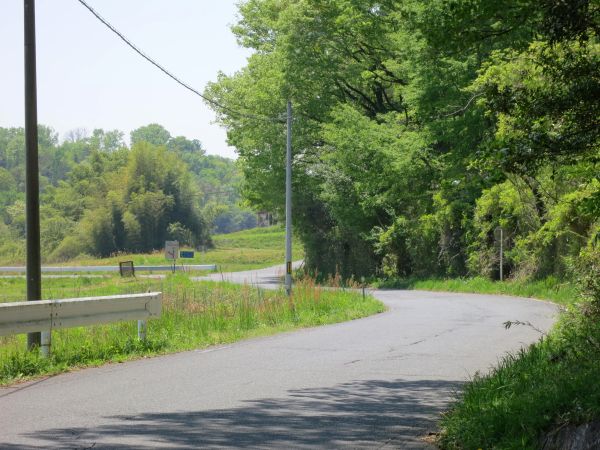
{"x":32,"y":207}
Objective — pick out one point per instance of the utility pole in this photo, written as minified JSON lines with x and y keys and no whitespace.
{"x":501,"y":254}
{"x":288,"y":203}
{"x":32,"y":207}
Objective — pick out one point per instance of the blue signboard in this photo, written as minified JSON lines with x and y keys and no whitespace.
{"x":186,"y":254}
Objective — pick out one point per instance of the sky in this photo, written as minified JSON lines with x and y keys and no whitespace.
{"x":88,"y":78}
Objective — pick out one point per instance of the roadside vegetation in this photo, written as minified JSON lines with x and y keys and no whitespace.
{"x":542,"y":388}
{"x":195,"y":315}
{"x":429,"y":134}
{"x":561,"y":292}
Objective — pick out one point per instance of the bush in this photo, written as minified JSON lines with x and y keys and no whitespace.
{"x":589,"y":269}
{"x":69,"y":248}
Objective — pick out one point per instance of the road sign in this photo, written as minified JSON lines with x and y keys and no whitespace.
{"x":126,"y":269}
{"x":186,"y":254}
{"x":171,"y":249}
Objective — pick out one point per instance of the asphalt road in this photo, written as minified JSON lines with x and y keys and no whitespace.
{"x":378,"y":382}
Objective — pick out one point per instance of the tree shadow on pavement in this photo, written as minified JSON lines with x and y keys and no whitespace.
{"x":360,"y":414}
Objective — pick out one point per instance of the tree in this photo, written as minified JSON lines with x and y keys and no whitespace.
{"x":153,"y":133}
{"x":407,"y":115}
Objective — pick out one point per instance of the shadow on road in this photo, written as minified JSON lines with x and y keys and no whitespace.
{"x":382,"y":414}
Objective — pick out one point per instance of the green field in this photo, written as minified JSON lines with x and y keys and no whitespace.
{"x":244,"y":250}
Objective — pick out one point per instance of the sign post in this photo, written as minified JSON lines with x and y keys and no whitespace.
{"x":126,"y":269}
{"x":172,"y":251}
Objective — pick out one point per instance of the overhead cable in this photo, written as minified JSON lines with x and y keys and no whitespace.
{"x":178,"y":80}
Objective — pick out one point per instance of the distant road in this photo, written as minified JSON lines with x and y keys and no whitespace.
{"x":270,"y":278}
{"x":59,"y":269}
{"x":378,"y":382}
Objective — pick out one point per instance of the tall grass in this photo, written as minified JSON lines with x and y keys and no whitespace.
{"x":548,"y":385}
{"x":548,"y":289}
{"x":194,"y":315}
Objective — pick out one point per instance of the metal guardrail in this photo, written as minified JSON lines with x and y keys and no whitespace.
{"x":60,"y":269}
{"x":48,"y":315}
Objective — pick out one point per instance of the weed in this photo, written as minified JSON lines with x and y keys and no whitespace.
{"x":547,"y":289}
{"x":547,"y":385}
{"x":195,"y":315}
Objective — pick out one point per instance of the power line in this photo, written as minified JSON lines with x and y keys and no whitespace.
{"x":169,"y":74}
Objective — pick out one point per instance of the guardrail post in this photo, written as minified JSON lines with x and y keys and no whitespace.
{"x":46,"y":343}
{"x":142,"y":328}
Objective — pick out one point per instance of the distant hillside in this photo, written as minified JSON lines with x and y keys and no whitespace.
{"x":100,"y":196}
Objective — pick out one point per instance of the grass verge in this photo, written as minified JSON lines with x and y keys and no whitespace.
{"x":550,"y":384}
{"x":195,"y":315}
{"x":547,"y":289}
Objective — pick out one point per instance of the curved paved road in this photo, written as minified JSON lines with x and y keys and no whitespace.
{"x":378,"y":382}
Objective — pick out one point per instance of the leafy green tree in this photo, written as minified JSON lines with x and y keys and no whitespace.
{"x":154,"y":134}
{"x":410,"y":118}
{"x":99,"y":197}
{"x":184,"y":146}
{"x":108,"y":141}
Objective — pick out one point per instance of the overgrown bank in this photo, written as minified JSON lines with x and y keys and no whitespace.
{"x":561,"y":292}
{"x":545,"y":387}
{"x":195,"y":315}
{"x":549,"y":385}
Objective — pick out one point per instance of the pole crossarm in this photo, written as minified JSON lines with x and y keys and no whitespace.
{"x":48,"y":315}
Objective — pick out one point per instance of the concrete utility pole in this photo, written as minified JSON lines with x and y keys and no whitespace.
{"x":32,"y":208}
{"x":288,"y":203}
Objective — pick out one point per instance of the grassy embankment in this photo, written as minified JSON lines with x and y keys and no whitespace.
{"x":244,"y":250}
{"x":540,"y":388}
{"x":195,"y":314}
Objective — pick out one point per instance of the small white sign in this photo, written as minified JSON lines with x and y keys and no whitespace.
{"x":171,"y":249}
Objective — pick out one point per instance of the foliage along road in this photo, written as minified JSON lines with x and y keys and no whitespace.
{"x":375,"y":382}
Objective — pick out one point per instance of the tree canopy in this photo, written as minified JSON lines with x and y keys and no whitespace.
{"x":421,"y":127}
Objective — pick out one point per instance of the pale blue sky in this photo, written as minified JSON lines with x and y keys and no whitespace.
{"x":88,"y":78}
